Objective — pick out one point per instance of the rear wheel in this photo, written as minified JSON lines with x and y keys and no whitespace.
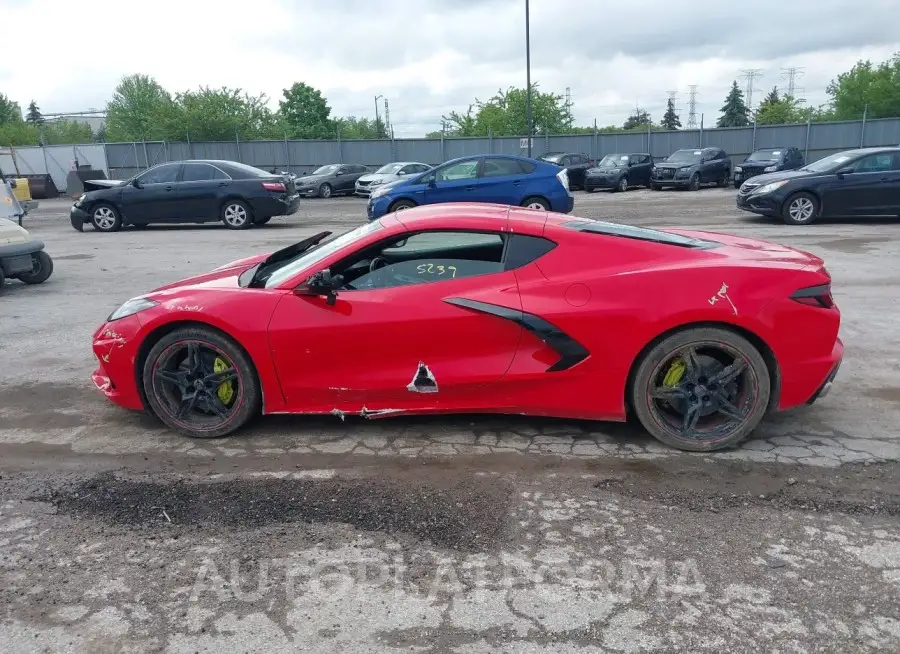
{"x":237,"y":214}
{"x":106,"y":218}
{"x":200,"y":383}
{"x":401,"y":205}
{"x":42,"y":268}
{"x":800,"y":209}
{"x":701,"y":389}
{"x":536,"y":203}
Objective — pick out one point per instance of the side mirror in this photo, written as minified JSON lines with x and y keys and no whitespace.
{"x":136,"y":183}
{"x":339,"y":173}
{"x":844,"y":171}
{"x":400,"y":173}
{"x":322,"y":283}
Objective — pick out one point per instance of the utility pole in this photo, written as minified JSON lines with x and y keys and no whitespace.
{"x":528,"y":75}
{"x":387,"y":120}
{"x":568,"y":106}
{"x":751,"y":75}
{"x":792,"y":75}
{"x":692,"y":108}
{"x":377,"y":119}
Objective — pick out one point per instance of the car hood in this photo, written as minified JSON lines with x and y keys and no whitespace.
{"x":383,"y":177}
{"x":310,"y":179}
{"x":673,"y":164}
{"x":781,"y":175}
{"x":606,"y":170}
{"x":225,"y":276}
{"x":99,"y":184}
{"x":759,"y":163}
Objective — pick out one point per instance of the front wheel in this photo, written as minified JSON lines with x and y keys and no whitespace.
{"x":325,"y":190}
{"x":41,"y":269}
{"x":237,"y":215}
{"x":701,"y":389}
{"x":655,"y":187}
{"x":539,"y":204}
{"x":200,"y":383}
{"x":622,"y":186}
{"x":800,"y":209}
{"x":401,"y":205}
{"x":106,"y":218}
{"x":589,"y":189}
{"x":694,"y":184}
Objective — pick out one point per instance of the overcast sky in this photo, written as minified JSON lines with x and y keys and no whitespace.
{"x":430,"y":57}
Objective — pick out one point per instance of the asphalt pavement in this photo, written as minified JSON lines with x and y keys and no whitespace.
{"x":461,"y":534}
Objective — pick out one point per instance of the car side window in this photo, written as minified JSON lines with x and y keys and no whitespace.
{"x":197,"y":172}
{"x":459,"y":171}
{"x":875,"y":163}
{"x":522,"y":249}
{"x":565,"y":161}
{"x":496,"y":167}
{"x":423,"y":258}
{"x":164,"y":174}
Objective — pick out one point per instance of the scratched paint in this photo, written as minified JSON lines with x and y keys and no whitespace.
{"x":722,"y":294}
{"x":423,"y":381}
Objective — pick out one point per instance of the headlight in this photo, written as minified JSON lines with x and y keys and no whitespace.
{"x":768,"y":188}
{"x":131,"y":307}
{"x":770,"y":169}
{"x":377,"y":193}
{"x":376,"y":182}
{"x":738,"y":169}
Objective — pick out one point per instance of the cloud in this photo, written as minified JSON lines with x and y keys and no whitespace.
{"x":431,"y":57}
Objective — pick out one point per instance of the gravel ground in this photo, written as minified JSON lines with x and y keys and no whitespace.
{"x":463,"y":534}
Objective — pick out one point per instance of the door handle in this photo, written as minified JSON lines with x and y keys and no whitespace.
{"x":470,"y":188}
{"x":170,"y":187}
{"x":518,"y":182}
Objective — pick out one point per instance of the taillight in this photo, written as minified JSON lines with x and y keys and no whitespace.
{"x":278,"y":187}
{"x":815,"y":296}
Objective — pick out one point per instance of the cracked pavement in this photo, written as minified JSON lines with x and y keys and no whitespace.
{"x":442,"y":534}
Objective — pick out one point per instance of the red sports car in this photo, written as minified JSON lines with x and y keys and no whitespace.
{"x":472,"y":308}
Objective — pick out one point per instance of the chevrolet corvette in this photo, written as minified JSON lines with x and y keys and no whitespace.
{"x":479,"y":308}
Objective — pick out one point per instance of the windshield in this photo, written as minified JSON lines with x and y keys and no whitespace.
{"x":553,"y":157}
{"x":826,"y":164}
{"x":291,"y":267}
{"x":390,"y":169}
{"x":613,"y":160}
{"x":326,"y":170}
{"x":685,"y":156}
{"x":764,"y":155}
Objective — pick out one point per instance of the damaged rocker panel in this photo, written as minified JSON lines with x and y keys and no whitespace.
{"x":570,"y":351}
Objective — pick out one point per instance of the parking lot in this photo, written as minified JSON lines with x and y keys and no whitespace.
{"x":459,"y":534}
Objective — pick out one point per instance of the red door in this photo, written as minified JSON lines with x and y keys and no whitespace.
{"x":367,"y":348}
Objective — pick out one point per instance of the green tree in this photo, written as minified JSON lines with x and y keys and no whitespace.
{"x":306,"y":113}
{"x":780,"y":110}
{"x":222,"y":115}
{"x":505,"y":115}
{"x":734,"y":111}
{"x":640,"y":119}
{"x":140,"y":109}
{"x":866,"y":88}
{"x":670,"y":119}
{"x":10,"y":112}
{"x":34,"y":115}
{"x":360,"y":128}
{"x":64,"y":132}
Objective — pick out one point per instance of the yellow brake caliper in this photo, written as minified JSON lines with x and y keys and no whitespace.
{"x":675,"y":373}
{"x":226,"y":390}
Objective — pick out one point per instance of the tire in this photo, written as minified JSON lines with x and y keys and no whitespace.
{"x":236,"y":214}
{"x":401,"y":205}
{"x":661,"y":406}
{"x":325,"y":191}
{"x":722,"y":183}
{"x":40,"y":273}
{"x":262,"y":221}
{"x":589,"y":189}
{"x":737,"y":184}
{"x":622,"y":186}
{"x":800,"y":209}
{"x":168,"y":383}
{"x":536,"y":203}
{"x":694,"y":184}
{"x":106,"y":218}
{"x":655,"y":187}
{"x":2,"y":279}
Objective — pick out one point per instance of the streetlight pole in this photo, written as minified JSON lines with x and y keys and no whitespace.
{"x":528,"y":75}
{"x":377,"y":119}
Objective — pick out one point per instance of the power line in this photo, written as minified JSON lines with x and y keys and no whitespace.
{"x":750,"y":74}
{"x":792,"y":75}
{"x":692,"y":108}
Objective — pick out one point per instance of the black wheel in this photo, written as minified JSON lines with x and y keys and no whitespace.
{"x":654,"y":187}
{"x":722,"y":183}
{"x":325,"y":190}
{"x":536,"y":203}
{"x":237,"y":214}
{"x":263,"y":221}
{"x":401,"y":205}
{"x":41,"y":269}
{"x":737,"y":184}
{"x":800,"y":209}
{"x":589,"y":189}
{"x":622,"y":186}
{"x":694,"y":184}
{"x":2,"y":280}
{"x":106,"y":218}
{"x":701,"y":389}
{"x":199,"y":383}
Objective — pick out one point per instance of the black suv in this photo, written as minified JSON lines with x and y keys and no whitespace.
{"x":619,"y":171}
{"x":575,"y":163}
{"x":690,"y":167}
{"x":768,"y":160}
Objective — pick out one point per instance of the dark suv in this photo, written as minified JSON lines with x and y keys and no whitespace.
{"x":768,"y":160}
{"x":690,"y":167}
{"x":333,"y":179}
{"x":575,"y":163}
{"x":619,"y":171}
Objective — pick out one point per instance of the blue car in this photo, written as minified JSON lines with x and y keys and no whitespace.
{"x":495,"y":178}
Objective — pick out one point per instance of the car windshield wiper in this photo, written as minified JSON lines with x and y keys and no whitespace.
{"x":291,"y":251}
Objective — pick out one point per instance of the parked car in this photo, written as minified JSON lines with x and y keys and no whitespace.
{"x":194,"y":191}
{"x":619,"y":171}
{"x":472,"y":308}
{"x":333,"y":179}
{"x":767,"y":160}
{"x":575,"y":163}
{"x":497,"y":178}
{"x":388,"y":173}
{"x":861,"y":182}
{"x":690,"y":168}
